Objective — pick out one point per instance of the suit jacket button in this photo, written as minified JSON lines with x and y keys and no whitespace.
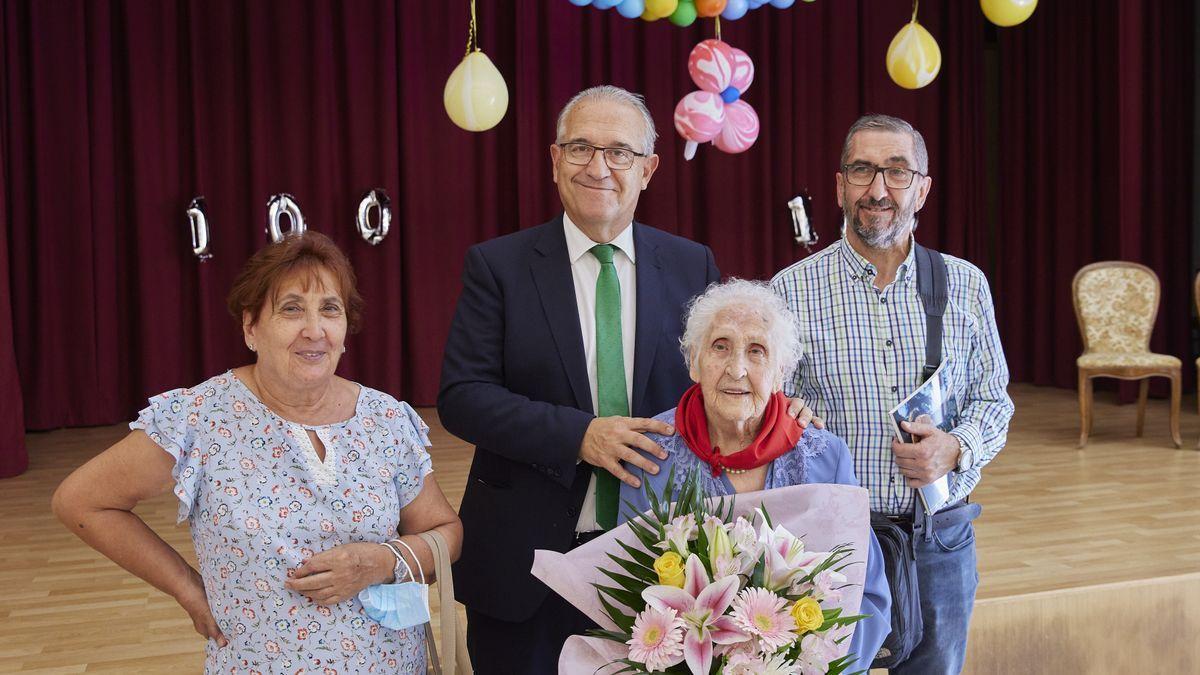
{"x":572,"y":511}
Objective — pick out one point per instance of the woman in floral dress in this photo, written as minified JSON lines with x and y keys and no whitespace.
{"x":290,"y":479}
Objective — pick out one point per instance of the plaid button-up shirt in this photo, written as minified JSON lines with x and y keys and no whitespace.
{"x":864,"y":349}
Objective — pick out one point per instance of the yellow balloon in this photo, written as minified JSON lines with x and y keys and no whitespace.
{"x":1007,"y":12}
{"x":660,"y":9}
{"x":476,"y":95}
{"x":913,"y":58}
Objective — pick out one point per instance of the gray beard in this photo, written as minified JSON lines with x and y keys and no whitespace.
{"x":882,"y":239}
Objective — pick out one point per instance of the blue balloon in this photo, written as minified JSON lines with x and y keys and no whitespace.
{"x":730,"y":94}
{"x":783,"y":4}
{"x":631,"y":9}
{"x":735,"y":9}
{"x":605,"y":4}
{"x":755,"y":4}
{"x":581,"y":3}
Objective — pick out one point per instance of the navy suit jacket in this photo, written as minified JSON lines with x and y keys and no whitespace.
{"x":515,"y":384}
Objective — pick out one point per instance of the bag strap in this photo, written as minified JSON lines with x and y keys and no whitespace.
{"x":933,"y":285}
{"x":456,"y":661}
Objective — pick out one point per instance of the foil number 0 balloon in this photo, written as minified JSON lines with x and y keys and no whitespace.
{"x":375,"y":199}
{"x":279,"y":206}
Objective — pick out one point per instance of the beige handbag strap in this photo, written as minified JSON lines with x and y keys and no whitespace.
{"x":455,"y":660}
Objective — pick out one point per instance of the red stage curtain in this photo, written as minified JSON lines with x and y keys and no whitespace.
{"x":1095,"y":164}
{"x":118,"y":113}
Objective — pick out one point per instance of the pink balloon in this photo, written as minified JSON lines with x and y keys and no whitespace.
{"x":711,"y":65}
{"x":699,"y":116}
{"x":743,"y":71}
{"x":740,"y":129}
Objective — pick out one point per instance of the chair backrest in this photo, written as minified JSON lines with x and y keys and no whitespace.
{"x":1116,"y":303}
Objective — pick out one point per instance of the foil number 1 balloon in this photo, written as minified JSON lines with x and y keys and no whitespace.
{"x":476,"y":95}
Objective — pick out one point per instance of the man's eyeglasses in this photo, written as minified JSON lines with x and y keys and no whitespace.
{"x":894,"y":177}
{"x":617,"y":159}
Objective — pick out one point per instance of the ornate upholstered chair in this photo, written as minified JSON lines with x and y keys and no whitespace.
{"x":1116,"y":304}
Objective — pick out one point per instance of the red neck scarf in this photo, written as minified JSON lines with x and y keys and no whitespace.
{"x":779,"y":433}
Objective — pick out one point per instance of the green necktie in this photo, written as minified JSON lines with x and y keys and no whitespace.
{"x":610,"y":373}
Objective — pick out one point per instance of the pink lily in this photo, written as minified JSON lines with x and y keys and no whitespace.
{"x":701,"y":604}
{"x":785,"y":557}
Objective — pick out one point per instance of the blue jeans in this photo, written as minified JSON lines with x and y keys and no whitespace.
{"x":947,"y":577}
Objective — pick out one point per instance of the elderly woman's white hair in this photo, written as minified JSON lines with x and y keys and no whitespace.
{"x":784,"y":348}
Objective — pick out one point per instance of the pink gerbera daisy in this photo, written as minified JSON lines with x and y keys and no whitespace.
{"x":657,"y":639}
{"x":763,"y":615}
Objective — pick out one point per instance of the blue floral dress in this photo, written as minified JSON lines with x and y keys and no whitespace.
{"x":260,"y":501}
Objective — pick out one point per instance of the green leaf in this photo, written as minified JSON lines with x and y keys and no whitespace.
{"x":623,"y":620}
{"x":631,"y":600}
{"x":640,"y":557}
{"x":628,"y":583}
{"x":640,"y":572}
{"x":767,"y":516}
{"x":615,"y":636}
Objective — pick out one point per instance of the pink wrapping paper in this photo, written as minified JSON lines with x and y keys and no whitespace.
{"x":822,"y":516}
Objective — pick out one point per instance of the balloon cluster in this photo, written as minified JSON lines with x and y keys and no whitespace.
{"x":716,"y":113}
{"x":683,"y":12}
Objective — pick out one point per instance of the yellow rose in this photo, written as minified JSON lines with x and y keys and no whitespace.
{"x":670,"y":569}
{"x":806,"y":612}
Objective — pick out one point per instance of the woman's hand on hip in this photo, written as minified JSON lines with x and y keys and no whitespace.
{"x":338,"y":574}
{"x":194,"y":601}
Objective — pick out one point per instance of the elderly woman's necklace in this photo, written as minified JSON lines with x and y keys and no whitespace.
{"x":736,"y":472}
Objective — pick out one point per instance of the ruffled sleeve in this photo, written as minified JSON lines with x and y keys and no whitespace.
{"x":171,"y":420}
{"x":414,"y":460}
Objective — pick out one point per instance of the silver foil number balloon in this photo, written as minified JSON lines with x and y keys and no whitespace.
{"x":378,"y":200}
{"x":198,"y":221}
{"x":281,"y":205}
{"x":802,"y":229}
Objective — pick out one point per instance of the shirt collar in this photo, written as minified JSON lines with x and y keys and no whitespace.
{"x":578,"y":243}
{"x":858,"y":267}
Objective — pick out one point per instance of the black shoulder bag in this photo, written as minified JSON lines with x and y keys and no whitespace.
{"x":895,"y":537}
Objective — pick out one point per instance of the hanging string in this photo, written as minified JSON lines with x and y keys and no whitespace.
{"x":718,"y":28}
{"x":914,"y":19}
{"x":472,"y":37}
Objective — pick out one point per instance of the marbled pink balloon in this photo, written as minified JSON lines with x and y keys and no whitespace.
{"x":740,"y":129}
{"x":699,"y":116}
{"x":743,"y":71}
{"x":711,"y":65}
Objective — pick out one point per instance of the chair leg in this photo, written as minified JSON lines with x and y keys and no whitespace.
{"x":1176,"y":394}
{"x":1143,"y":391}
{"x":1085,"y":407}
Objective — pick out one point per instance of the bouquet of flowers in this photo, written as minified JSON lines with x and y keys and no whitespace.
{"x":700,"y":589}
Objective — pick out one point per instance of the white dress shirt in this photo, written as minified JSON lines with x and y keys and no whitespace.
{"x":585,"y":269}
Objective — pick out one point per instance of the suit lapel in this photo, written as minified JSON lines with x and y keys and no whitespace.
{"x":651,"y":312}
{"x":551,"y":269}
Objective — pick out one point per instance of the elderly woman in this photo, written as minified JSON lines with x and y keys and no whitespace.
{"x":290,"y":478}
{"x":741,"y":343}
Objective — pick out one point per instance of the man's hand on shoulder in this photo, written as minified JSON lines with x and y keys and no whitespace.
{"x":611,"y":440}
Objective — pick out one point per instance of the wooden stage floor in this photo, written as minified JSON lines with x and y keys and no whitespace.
{"x":1123,"y":513}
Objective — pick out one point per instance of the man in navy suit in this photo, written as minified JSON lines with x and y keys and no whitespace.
{"x":519,"y":378}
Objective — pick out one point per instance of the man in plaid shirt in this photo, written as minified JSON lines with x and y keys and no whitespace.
{"x":863,"y":326}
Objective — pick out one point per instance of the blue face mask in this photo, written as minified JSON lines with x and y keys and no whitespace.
{"x":397,"y":606}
